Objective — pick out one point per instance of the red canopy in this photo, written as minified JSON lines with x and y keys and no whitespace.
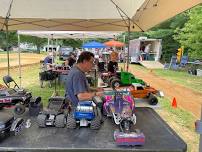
{"x":113,"y":43}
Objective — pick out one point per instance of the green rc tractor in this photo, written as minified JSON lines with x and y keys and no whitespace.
{"x":122,"y":78}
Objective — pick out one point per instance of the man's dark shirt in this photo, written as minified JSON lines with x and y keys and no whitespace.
{"x":71,"y":61}
{"x":76,"y":83}
{"x":112,"y":66}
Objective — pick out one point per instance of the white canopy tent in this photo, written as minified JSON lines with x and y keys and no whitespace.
{"x":70,"y":34}
{"x":89,"y":15}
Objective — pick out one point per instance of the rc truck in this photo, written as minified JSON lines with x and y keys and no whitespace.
{"x":121,"y":78}
{"x":55,"y":114}
{"x":20,"y":98}
{"x":121,"y":107}
{"x":9,"y":125}
{"x":86,"y":113}
{"x":147,"y":92}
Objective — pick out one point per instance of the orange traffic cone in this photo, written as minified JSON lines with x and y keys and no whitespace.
{"x":174,"y":103}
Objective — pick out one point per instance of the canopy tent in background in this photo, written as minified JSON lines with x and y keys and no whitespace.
{"x":93,"y":44}
{"x":114,"y":43}
{"x":71,"y":34}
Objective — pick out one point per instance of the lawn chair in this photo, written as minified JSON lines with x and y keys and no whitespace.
{"x":8,"y":80}
{"x":183,"y":61}
{"x":173,"y":63}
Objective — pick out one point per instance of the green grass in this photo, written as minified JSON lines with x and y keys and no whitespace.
{"x":185,"y":121}
{"x":30,"y":81}
{"x":181,"y":117}
{"x":5,"y":52}
{"x":182,"y":78}
{"x":5,"y":60}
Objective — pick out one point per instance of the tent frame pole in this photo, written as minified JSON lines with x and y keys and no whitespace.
{"x":129,"y":32}
{"x":19,"y":61}
{"x":52,"y":49}
{"x":7,"y":49}
{"x":7,"y":37}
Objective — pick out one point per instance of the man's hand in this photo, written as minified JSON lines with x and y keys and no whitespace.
{"x":100,"y":93}
{"x":99,"y":89}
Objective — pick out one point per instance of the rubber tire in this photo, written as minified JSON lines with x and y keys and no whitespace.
{"x":19,"y":109}
{"x":60,"y":121}
{"x":41,"y":120}
{"x":115,"y":81}
{"x":111,"y":78}
{"x":95,"y":123}
{"x":153,"y":100}
{"x":99,"y":114}
{"x":71,"y":122}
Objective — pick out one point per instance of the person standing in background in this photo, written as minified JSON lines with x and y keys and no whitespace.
{"x":113,"y":64}
{"x":146,"y":51}
{"x":70,"y":60}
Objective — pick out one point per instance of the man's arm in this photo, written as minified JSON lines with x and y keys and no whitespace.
{"x":86,"y":96}
{"x":89,"y":95}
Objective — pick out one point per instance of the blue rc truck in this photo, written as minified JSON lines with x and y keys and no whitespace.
{"x":86,"y":113}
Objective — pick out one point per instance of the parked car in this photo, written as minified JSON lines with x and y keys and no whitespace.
{"x":64,"y":52}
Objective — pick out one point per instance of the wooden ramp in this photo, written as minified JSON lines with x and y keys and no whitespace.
{"x":152,"y":64}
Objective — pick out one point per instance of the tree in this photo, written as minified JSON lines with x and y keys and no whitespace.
{"x":12,"y":39}
{"x":164,"y":31}
{"x":72,"y":42}
{"x":39,"y":42}
{"x":190,"y":36}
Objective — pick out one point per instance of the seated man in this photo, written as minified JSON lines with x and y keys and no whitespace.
{"x":77,"y":88}
{"x":112,"y":66}
{"x":70,"y":60}
{"x":48,"y":60}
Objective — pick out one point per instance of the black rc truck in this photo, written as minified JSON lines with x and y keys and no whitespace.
{"x":20,"y":98}
{"x":10,"y":125}
{"x":55,"y":114}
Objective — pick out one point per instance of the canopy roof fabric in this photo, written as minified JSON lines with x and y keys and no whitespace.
{"x":93,"y":44}
{"x":89,"y":15}
{"x":70,"y":34}
{"x":114,"y":43}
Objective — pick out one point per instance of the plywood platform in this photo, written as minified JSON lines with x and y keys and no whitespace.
{"x":152,"y":64}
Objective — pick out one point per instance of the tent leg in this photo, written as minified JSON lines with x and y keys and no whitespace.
{"x":19,"y":60}
{"x":7,"y":49}
{"x":127,"y":66}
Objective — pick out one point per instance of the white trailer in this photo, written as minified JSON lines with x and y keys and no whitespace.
{"x":137,"y":47}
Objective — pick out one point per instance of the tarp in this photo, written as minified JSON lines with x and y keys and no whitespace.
{"x":70,"y":34}
{"x":93,"y":44}
{"x":114,"y":43}
{"x":89,"y":15}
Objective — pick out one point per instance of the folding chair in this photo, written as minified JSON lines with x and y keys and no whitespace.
{"x":8,"y":80}
{"x":172,"y":64}
{"x":183,"y":61}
